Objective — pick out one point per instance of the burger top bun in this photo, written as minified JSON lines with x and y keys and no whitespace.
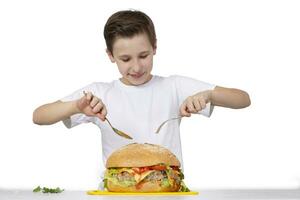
{"x":141,"y":155}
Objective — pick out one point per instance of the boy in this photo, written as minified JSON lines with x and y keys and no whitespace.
{"x":138,"y":102}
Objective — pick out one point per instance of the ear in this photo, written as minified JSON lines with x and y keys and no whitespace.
{"x":155,"y":47}
{"x":110,"y":55}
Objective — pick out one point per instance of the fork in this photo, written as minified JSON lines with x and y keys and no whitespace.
{"x":117,"y":131}
{"x":120,"y":133}
{"x":162,"y":124}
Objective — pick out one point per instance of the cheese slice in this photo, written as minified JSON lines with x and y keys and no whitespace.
{"x":126,"y":170}
{"x":139,"y":177}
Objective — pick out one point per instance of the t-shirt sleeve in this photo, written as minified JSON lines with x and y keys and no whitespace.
{"x":188,"y":86}
{"x":80,"y":118}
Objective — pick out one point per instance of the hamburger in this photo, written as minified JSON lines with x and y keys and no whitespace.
{"x":143,"y":168}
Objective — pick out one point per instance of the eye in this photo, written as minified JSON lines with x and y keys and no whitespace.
{"x":125,"y":60}
{"x":144,"y":56}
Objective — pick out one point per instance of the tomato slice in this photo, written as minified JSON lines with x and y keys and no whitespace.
{"x":136,"y":170}
{"x":159,"y":167}
{"x":143,"y":169}
{"x":140,"y":170}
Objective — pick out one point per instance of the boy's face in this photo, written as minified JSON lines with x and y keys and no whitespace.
{"x":134,"y":58}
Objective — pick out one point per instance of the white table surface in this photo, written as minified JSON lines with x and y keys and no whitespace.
{"x":245,"y":194}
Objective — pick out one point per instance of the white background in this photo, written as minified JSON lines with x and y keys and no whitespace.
{"x":48,"y":49}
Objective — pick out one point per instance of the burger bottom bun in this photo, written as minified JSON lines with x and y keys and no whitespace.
{"x":146,"y":187}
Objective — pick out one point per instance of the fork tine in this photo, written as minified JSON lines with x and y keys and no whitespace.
{"x":162,"y":124}
{"x":120,"y":133}
{"x":158,"y":129}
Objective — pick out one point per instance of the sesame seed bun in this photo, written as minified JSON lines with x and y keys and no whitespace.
{"x":141,"y":155}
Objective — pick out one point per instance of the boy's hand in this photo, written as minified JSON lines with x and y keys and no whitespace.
{"x":195,"y":103}
{"x":91,"y":105}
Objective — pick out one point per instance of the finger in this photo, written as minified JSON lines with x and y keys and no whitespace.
{"x":191,"y":107}
{"x":102,"y":114}
{"x":103,"y":111}
{"x":183,"y":110}
{"x":89,"y":96}
{"x":97,"y":108}
{"x":95,"y":101}
{"x":202,"y":103}
{"x":197,"y":105}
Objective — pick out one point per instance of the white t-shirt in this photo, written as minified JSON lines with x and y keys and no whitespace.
{"x":139,"y":110}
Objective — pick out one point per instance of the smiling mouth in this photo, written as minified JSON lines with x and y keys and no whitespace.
{"x":137,"y":75}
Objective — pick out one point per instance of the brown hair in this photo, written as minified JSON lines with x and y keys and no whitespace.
{"x":128,"y":23}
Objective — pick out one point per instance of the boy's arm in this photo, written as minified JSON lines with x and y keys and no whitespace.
{"x":51,"y":113}
{"x":54,"y":112}
{"x":229,"y":97}
{"x":219,"y":96}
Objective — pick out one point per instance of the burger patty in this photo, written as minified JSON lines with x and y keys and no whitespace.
{"x":175,"y":176}
{"x":154,"y":176}
{"x":124,"y":176}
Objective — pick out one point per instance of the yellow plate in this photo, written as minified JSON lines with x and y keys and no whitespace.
{"x":100,"y":192}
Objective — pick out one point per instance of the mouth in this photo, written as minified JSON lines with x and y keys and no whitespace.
{"x":137,"y":76}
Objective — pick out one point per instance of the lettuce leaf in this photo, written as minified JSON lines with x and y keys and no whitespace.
{"x":165,"y":183}
{"x":183,"y":187}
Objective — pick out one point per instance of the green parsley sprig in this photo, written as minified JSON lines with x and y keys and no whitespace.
{"x":48,"y":190}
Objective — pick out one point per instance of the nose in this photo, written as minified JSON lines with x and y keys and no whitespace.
{"x":136,"y":66}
